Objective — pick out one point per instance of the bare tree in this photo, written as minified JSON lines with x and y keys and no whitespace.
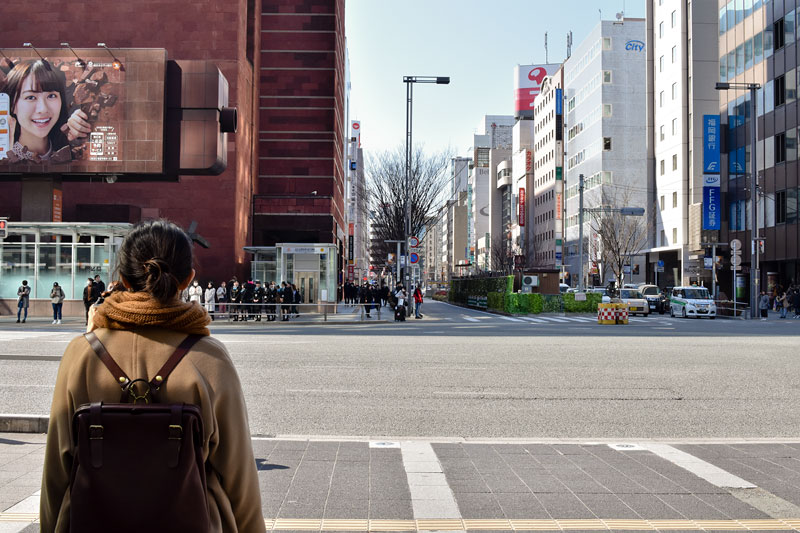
{"x":621,"y":236}
{"x":386,"y":191}
{"x":502,"y":256}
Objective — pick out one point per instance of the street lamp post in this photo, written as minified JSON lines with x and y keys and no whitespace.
{"x":754,"y":266}
{"x":410,"y":81}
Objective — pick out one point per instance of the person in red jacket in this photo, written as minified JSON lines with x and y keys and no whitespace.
{"x":417,"y":302}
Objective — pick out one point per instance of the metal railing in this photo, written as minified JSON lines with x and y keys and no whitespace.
{"x":283,"y":312}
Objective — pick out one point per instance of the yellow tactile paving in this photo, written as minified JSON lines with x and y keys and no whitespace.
{"x":454,"y":524}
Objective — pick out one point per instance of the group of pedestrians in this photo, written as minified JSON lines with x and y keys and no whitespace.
{"x":246,"y":301}
{"x":785,"y":301}
{"x":373,"y":298}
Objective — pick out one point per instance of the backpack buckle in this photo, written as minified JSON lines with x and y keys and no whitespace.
{"x":135,"y":397}
{"x":175,"y":432}
{"x":95,"y":432}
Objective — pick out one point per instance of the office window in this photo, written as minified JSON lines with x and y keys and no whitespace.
{"x":780,"y":148}
{"x":674,"y":18}
{"x":748,"y":8}
{"x":768,"y":44}
{"x":788,"y":27}
{"x":779,"y":90}
{"x":675,"y":90}
{"x":660,"y":30}
{"x":731,"y":64}
{"x":740,"y":59}
{"x":663,"y":238}
{"x":662,"y":202}
{"x":606,"y":144}
{"x":790,"y":80}
{"x":723,"y":67}
{"x":674,"y":235}
{"x":606,"y":76}
{"x":758,"y":48}
{"x":674,"y":126}
{"x":674,"y":161}
{"x":723,"y":26}
{"x":780,"y":207}
{"x":661,"y":64}
{"x":606,"y":43}
{"x":662,"y":167}
{"x":791,"y":206}
{"x":674,"y":199}
{"x":791,"y":144}
{"x":748,"y":53}
{"x":778,"y":35}
{"x":674,"y":54}
{"x":661,"y":99}
{"x":661,"y":132}
{"x":607,"y":110}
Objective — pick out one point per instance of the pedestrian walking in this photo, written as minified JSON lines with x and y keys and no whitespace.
{"x":763,"y":305}
{"x":90,"y":295}
{"x":23,"y":300}
{"x":784,"y":303}
{"x":417,"y":302}
{"x":140,"y":329}
{"x":57,"y":301}
{"x":208,"y":299}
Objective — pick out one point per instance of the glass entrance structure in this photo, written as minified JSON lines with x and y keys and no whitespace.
{"x":312,"y":267}
{"x":66,"y":252}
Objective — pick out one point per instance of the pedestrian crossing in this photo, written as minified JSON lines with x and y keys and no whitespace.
{"x":540,"y":320}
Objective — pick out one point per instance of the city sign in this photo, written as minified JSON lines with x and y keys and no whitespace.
{"x":634,"y":46}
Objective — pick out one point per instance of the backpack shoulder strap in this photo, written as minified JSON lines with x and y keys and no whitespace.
{"x":184,"y":347}
{"x":105,"y":357}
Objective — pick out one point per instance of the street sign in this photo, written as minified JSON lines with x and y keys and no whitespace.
{"x":413,"y":242}
{"x":736,"y":260}
{"x":660,"y":263}
{"x":414,"y":258}
{"x":736,"y":244}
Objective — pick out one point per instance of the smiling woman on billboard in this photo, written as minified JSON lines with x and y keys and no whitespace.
{"x":38,"y":111}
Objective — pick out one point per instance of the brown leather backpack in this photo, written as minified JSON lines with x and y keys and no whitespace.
{"x":138,"y":466}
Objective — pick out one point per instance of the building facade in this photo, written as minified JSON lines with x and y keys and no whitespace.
{"x":682,"y":45}
{"x":605,"y":115}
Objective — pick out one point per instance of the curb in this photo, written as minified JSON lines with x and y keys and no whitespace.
{"x":304,"y":323}
{"x":10,"y":423}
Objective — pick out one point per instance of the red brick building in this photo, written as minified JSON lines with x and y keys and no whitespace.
{"x":265,"y":195}
{"x":301,"y":140}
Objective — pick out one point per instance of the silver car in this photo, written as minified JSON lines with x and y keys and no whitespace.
{"x":637,"y":304}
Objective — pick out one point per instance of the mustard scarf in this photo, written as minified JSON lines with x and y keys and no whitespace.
{"x":128,"y":310}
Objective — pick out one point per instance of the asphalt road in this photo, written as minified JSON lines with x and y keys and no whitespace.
{"x":464,"y":373}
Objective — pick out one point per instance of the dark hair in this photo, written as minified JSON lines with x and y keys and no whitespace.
{"x":45,"y":79}
{"x":155,"y":257}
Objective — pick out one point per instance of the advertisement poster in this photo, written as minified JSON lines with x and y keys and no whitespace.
{"x":527,"y":86}
{"x":81,"y":111}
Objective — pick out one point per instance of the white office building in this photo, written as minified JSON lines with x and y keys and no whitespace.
{"x":606,"y":139}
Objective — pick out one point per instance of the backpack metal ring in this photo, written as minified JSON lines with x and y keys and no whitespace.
{"x":136,"y":397}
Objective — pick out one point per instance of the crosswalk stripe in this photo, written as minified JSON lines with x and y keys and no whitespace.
{"x":511,"y":319}
{"x":471,"y":319}
{"x":553,"y":319}
{"x":534,"y":320}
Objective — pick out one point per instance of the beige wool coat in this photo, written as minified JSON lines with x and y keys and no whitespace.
{"x":205,"y":377}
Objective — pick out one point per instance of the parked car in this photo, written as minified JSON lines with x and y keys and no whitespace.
{"x":637,"y":304}
{"x":691,"y":301}
{"x":655,"y":299}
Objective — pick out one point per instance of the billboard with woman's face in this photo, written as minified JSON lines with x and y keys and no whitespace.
{"x":93,"y":115}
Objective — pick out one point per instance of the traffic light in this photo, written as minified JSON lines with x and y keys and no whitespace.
{"x":3,"y":229}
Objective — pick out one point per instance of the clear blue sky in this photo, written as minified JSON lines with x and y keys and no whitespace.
{"x":475,"y":42}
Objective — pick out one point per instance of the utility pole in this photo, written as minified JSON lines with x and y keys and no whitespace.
{"x":755,"y":275}
{"x":580,"y":234}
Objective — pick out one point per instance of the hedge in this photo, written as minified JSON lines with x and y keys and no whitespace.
{"x":517,"y":303}
{"x":463,"y":288}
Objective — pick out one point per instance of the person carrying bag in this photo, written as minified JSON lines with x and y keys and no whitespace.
{"x":148,"y":426}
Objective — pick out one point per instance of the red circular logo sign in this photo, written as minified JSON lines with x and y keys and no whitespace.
{"x":356,"y":125}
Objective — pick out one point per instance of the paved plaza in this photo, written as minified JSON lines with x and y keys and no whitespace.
{"x":472,"y":421}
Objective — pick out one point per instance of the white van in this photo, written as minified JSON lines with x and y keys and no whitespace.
{"x":691,"y":301}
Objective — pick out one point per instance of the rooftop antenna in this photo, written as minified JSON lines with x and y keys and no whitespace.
{"x":569,"y":44}
{"x":545,"y":48}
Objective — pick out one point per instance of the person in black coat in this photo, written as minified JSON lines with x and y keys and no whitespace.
{"x":366,"y":298}
{"x":796,"y":303}
{"x":235,"y":298}
{"x":271,"y":298}
{"x":258,"y":299}
{"x":248,"y":290}
{"x":297,"y":298}
{"x":285,"y":297}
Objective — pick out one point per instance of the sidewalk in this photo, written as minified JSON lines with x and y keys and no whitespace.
{"x":422,"y":485}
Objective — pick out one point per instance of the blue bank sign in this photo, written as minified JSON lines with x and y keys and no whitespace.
{"x":711,"y":144}
{"x":712,"y":202}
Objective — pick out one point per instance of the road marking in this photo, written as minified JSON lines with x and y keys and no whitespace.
{"x":712,"y":474}
{"x":511,"y":319}
{"x":576,"y":319}
{"x":553,"y":319}
{"x":534,"y":320}
{"x":458,"y":524}
{"x":431,"y":496}
{"x":471,"y":319}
